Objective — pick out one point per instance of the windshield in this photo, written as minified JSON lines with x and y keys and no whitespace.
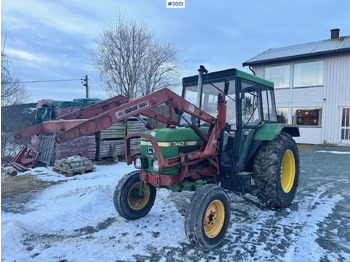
{"x":255,"y":98}
{"x":209,"y":99}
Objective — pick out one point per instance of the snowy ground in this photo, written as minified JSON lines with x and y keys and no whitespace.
{"x":75,"y":220}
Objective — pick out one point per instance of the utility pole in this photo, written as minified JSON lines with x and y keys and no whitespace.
{"x":85,"y":83}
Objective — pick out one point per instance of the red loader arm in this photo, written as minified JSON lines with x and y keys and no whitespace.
{"x":102,"y":115}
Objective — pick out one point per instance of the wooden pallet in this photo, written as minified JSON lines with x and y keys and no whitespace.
{"x":46,"y":147}
{"x":74,"y":173}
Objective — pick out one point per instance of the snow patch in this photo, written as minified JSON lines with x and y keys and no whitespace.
{"x":334,"y":152}
{"x":75,"y":220}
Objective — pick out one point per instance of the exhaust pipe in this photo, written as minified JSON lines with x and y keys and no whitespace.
{"x":201,"y":71}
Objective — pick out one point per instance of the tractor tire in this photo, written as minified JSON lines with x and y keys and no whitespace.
{"x":127,"y":201}
{"x":276,"y":171}
{"x":208,"y":217}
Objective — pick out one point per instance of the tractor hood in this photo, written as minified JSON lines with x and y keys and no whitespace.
{"x":175,"y":136}
{"x":171,"y":141}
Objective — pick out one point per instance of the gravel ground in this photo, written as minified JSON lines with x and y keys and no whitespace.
{"x":316,"y":227}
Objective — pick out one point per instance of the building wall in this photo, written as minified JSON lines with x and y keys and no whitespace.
{"x":337,"y":95}
{"x":332,"y":97}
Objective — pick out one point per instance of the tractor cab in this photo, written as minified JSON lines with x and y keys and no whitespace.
{"x":249,"y":104}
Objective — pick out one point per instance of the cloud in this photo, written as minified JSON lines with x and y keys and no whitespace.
{"x":52,"y":39}
{"x":30,"y":57}
{"x":53,"y":14}
{"x":13,"y":23}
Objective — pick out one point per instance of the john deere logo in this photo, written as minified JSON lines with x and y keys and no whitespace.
{"x":150,"y":151}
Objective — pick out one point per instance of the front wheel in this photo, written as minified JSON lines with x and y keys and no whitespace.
{"x":127,"y":199}
{"x":208,"y":217}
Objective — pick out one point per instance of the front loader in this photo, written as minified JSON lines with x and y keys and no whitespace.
{"x":225,"y":136}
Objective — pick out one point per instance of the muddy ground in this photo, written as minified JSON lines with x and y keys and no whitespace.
{"x":13,"y":186}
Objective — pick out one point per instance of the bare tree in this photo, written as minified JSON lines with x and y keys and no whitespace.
{"x":14,"y":118}
{"x":131,"y":62}
{"x":12,"y":91}
{"x":12,"y":94}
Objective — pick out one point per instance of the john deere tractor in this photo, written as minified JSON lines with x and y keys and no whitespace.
{"x":222,"y":134}
{"x":227,"y":137}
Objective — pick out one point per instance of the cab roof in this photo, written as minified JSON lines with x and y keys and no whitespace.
{"x":223,"y":76}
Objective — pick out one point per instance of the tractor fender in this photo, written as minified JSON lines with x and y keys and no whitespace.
{"x":269,"y":131}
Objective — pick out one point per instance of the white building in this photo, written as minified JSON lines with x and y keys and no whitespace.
{"x":312,"y":87}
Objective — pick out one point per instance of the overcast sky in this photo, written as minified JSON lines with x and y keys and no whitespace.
{"x":53,"y":39}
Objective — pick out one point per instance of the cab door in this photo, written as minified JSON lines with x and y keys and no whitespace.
{"x":238,"y":137}
{"x":251,"y":120}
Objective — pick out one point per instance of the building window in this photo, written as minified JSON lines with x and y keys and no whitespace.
{"x":282,"y":115}
{"x":279,"y":75}
{"x":345,"y":124}
{"x":308,"y":74}
{"x":307,"y":116}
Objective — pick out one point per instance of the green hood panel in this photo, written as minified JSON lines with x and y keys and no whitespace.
{"x":171,"y":141}
{"x":175,"y":134}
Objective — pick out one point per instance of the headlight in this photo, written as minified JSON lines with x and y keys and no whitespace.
{"x":155,"y":165}
{"x":138,"y":162}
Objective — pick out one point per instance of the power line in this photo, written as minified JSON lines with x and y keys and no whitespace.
{"x":42,"y":81}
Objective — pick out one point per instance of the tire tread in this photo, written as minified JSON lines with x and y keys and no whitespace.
{"x":266,"y":170}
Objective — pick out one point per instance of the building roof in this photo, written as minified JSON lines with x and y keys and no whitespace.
{"x":307,"y":50}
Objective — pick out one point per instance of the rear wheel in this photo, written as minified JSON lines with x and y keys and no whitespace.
{"x":127,"y":199}
{"x":276,"y":171}
{"x":207,"y":217}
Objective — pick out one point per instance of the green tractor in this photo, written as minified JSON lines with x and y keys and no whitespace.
{"x":223,"y":133}
{"x":226,"y":137}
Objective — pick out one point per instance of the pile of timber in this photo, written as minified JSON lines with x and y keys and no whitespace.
{"x":109,"y":138}
{"x":111,"y":141}
{"x":133,"y":125}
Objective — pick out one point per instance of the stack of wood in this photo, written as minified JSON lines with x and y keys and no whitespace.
{"x":108,"y":139}
{"x":133,"y":125}
{"x":111,"y":141}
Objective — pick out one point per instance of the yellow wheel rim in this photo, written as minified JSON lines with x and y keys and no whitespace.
{"x":135,"y":201}
{"x":287,"y":171}
{"x":214,"y":219}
